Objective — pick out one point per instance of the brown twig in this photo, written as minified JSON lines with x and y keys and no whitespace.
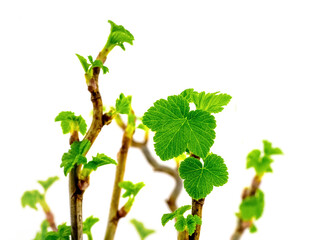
{"x":50,"y":219}
{"x":114,"y":213}
{"x":197,"y":206}
{"x":172,"y":200}
{"x":247,"y":192}
{"x":77,"y":187}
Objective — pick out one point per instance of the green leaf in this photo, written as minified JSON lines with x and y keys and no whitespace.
{"x":253,"y":158}
{"x":191,"y":222}
{"x":31,"y":198}
{"x":178,"y":128}
{"x":47,"y":183}
{"x":252,"y":207}
{"x":260,"y":164}
{"x":143,"y":127}
{"x":75,"y":155}
{"x":131,"y":189}
{"x":98,"y":161}
{"x":123,"y":104}
{"x":142,"y":231}
{"x":269,"y":150}
{"x":84,"y":146}
{"x":179,"y":212}
{"x":84,"y":63}
{"x":211,"y":102}
{"x":63,"y":233}
{"x":188,"y":94}
{"x":118,"y":35}
{"x":253,"y":228}
{"x":90,"y":59}
{"x":44,"y":229}
{"x":188,"y":224}
{"x":87,"y":225}
{"x":199,"y":179}
{"x":105,"y":69}
{"x":181,"y":223}
{"x":70,"y":122}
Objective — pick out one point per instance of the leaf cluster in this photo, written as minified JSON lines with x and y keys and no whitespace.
{"x":178,"y":128}
{"x":141,"y":229}
{"x":75,"y":156}
{"x":262,"y":163}
{"x":182,"y":224}
{"x":87,"y":67}
{"x":71,"y":123}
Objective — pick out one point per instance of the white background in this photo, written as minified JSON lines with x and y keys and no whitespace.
{"x":263,"y":53}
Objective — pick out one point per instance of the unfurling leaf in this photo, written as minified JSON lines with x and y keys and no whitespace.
{"x":70,"y":122}
{"x":123,"y":104}
{"x":46,"y":184}
{"x":211,"y":102}
{"x":84,"y":63}
{"x":141,"y":229}
{"x":177,"y":128}
{"x":131,"y":189}
{"x":252,"y":206}
{"x":118,"y":35}
{"x":63,"y":233}
{"x":87,"y":225}
{"x":199,"y":179}
{"x":98,"y":161}
{"x":31,"y":198}
{"x":269,"y":150}
{"x":191,"y":222}
{"x":75,"y":155}
{"x":179,"y":212}
{"x":262,"y":164}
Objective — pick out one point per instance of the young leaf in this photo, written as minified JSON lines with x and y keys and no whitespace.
{"x":123,"y":104}
{"x":118,"y":36}
{"x":75,"y":155}
{"x":211,"y":102}
{"x":191,"y":222}
{"x":131,"y":189}
{"x":178,"y":128}
{"x":179,"y":212}
{"x":87,"y":225}
{"x":31,"y":198}
{"x":253,"y":228}
{"x":84,"y":63}
{"x":260,"y":164}
{"x":253,"y":158}
{"x":46,"y":184}
{"x":252,"y":207}
{"x":70,"y":122}
{"x":188,"y":94}
{"x":198,"y":179}
{"x":181,"y":223}
{"x":43,"y":232}
{"x":269,"y":150}
{"x":99,"y":161}
{"x":63,"y":233}
{"x":142,"y":231}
